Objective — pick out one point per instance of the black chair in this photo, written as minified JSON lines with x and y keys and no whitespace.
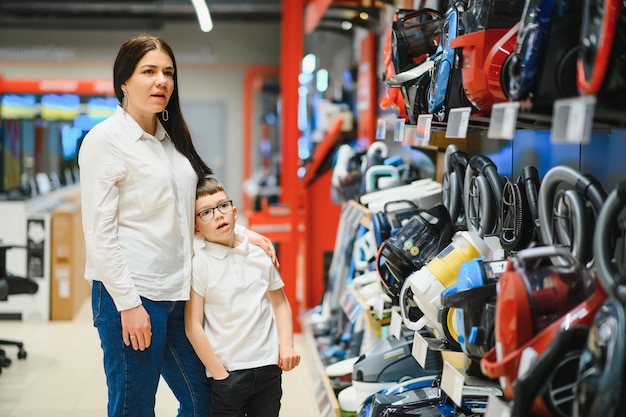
{"x":9,"y":285}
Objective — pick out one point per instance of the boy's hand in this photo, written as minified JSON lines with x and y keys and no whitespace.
{"x":288,"y":358}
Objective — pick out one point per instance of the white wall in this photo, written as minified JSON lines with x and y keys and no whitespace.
{"x":211,"y":65}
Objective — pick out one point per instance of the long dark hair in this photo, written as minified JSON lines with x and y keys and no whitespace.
{"x":129,"y":55}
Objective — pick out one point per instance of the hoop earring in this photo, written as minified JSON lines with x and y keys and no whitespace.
{"x":124,"y":100}
{"x":165,"y":115}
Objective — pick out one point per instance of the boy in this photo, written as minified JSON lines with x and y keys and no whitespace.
{"x":237,"y":319}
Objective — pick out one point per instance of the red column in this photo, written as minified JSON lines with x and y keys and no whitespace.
{"x":292,"y":252}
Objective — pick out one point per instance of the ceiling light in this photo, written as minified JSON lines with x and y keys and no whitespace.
{"x":204,"y":17}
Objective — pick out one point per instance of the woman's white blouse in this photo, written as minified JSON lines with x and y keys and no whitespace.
{"x":138,"y":198}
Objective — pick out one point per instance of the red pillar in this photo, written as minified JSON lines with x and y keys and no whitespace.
{"x":292,"y":252}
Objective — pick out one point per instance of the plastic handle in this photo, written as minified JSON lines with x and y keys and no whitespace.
{"x":542,"y":252}
{"x":377,"y":171}
{"x":411,"y":325}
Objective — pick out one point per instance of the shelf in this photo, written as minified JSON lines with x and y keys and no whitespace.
{"x":366,"y":215}
{"x":325,"y":397}
{"x":374,"y":324}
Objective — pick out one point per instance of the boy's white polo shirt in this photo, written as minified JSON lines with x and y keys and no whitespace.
{"x":238,"y":317}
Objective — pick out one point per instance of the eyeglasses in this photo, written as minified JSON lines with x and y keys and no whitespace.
{"x":208,"y":213}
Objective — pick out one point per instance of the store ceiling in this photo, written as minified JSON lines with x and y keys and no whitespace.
{"x":121,"y":14}
{"x":149,"y":14}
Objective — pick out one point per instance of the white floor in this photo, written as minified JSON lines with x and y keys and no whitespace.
{"x":62,"y":375}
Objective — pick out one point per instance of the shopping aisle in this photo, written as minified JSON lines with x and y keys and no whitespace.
{"x":63,"y":377}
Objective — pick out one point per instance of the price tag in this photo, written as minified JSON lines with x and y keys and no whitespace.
{"x":420,"y":349}
{"x":398,"y":133}
{"x":395,"y":326}
{"x":379,"y":307}
{"x":422,"y":135}
{"x":503,"y":121}
{"x":572,"y":120}
{"x":409,"y":135}
{"x":381,"y":129}
{"x":324,"y":404}
{"x":458,"y":121}
{"x":350,"y":305}
{"x":497,"y":408}
{"x":452,"y":382}
{"x":496,"y":268}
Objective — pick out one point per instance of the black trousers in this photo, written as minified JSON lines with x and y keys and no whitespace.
{"x":248,"y":393}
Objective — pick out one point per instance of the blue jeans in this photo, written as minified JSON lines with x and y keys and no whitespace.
{"x":133,"y":376}
{"x":252,"y":392}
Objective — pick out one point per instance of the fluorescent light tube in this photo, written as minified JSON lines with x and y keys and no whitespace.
{"x":204,"y":17}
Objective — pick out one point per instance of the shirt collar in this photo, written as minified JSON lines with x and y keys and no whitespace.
{"x":160,"y":134}
{"x":219,"y":251}
{"x":135,"y":131}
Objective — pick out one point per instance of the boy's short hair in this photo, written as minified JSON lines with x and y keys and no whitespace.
{"x":209,"y":186}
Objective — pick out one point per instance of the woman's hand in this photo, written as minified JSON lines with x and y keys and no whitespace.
{"x":265,"y":244}
{"x":269,"y":248}
{"x":136,"y":328}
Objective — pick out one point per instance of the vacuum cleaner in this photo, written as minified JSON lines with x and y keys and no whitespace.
{"x":426,"y":285}
{"x":538,"y":297}
{"x":424,"y":397}
{"x":550,"y":380}
{"x":482,"y":190}
{"x":601,"y":66}
{"x":474,"y":299}
{"x":568,"y":203}
{"x":600,"y":389}
{"x":391,"y":97}
{"x":425,"y":193}
{"x":346,"y":176}
{"x":423,"y":236}
{"x":394,"y":215}
{"x":415,"y":35}
{"x":454,"y":165}
{"x":387,"y":363}
{"x":543,"y":64}
{"x":486,"y":23}
{"x":387,"y":400}
{"x":446,"y":85}
{"x":520,"y":211}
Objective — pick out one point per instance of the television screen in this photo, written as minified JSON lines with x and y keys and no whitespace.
{"x":18,"y":106}
{"x":70,"y":136}
{"x":60,"y":106}
{"x":101,"y":107}
{"x":27,"y":135}
{"x":11,"y":163}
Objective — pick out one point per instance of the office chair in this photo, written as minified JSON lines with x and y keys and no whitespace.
{"x":10,"y":285}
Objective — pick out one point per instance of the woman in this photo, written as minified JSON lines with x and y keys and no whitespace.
{"x":138,"y":175}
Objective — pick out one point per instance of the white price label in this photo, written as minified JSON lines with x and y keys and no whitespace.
{"x":503,"y":121}
{"x":497,"y":408}
{"x":458,"y":121}
{"x":379,"y":307}
{"x":381,"y":129}
{"x":452,"y":382}
{"x":409,"y":135}
{"x":572,"y":120}
{"x":395,"y":326}
{"x":420,"y":349}
{"x":350,"y":305}
{"x":398,"y":133}
{"x":424,"y":122}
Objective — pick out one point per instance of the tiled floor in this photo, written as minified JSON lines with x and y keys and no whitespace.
{"x":62,"y":375}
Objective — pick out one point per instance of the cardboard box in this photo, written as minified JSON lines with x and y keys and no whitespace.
{"x":68,"y":290}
